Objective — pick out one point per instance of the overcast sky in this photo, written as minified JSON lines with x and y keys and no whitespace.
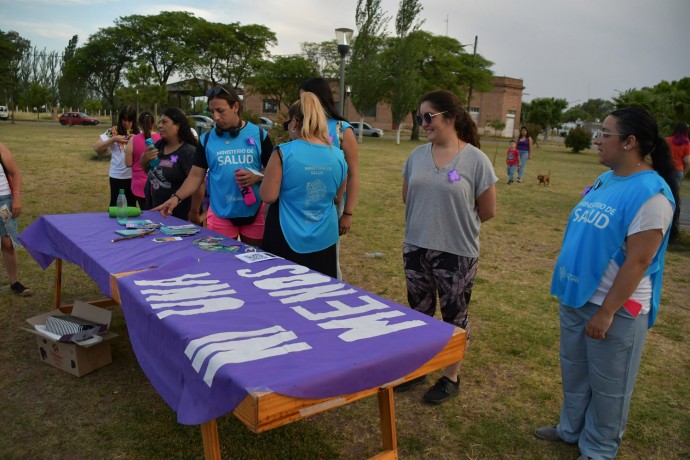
{"x":571,"y":49}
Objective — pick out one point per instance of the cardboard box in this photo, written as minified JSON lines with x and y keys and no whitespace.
{"x":77,"y":358}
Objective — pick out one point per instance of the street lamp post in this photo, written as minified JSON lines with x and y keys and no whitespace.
{"x":343,"y":36}
{"x":348,"y":92}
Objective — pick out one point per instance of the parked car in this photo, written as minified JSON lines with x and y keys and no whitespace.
{"x":77,"y":118}
{"x":367,"y":129}
{"x":4,"y":113}
{"x":266,"y":123}
{"x":202,"y":123}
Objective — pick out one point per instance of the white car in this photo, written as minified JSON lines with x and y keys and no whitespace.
{"x":367,"y":129}
{"x":4,"y":113}
{"x":266,"y":123}
{"x":202,"y":123}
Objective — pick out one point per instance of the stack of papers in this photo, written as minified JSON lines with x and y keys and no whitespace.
{"x":133,"y":231}
{"x":147,"y":224}
{"x":180,"y":230}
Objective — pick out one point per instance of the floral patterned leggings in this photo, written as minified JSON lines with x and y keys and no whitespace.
{"x":428,"y":271}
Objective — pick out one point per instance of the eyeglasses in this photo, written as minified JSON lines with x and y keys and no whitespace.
{"x":427,"y":117}
{"x":215,"y":92}
{"x":286,"y":123}
{"x":605,"y":135}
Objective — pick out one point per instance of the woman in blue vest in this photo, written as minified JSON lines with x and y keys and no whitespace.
{"x":343,"y":137}
{"x":301,"y":181}
{"x":608,"y":281}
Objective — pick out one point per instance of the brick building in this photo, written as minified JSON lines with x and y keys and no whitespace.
{"x":503,"y":103}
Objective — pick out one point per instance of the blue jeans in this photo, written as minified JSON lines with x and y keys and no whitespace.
{"x":511,"y":172}
{"x":678,"y":176}
{"x":524,"y":156}
{"x":598,"y":379}
{"x":8,"y":225}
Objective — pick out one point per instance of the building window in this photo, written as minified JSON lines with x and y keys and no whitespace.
{"x":474,"y":113}
{"x":270,"y":106}
{"x":370,"y":113}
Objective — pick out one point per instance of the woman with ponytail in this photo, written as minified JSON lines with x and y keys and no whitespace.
{"x":608,"y":281}
{"x":135,"y":149}
{"x":448,"y":190}
{"x":301,"y":181}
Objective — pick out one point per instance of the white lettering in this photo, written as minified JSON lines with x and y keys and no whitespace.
{"x":366,"y":327}
{"x":342,"y":309}
{"x":293,"y":269}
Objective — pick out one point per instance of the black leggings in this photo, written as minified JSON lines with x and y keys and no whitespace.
{"x":126,"y":185}
{"x":323,"y":261}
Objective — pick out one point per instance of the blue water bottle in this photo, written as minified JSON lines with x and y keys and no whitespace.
{"x":121,"y":207}
{"x":153,"y":163}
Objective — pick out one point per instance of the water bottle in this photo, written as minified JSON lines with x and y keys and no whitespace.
{"x":374,"y":255}
{"x":153,"y":163}
{"x":122,"y":208}
{"x":247,"y":194}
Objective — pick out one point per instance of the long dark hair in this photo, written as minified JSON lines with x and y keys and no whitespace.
{"x":146,"y":122}
{"x":320,"y":87}
{"x":127,"y":113}
{"x":680,"y":134}
{"x":180,"y":119}
{"x":636,"y":121}
{"x":448,"y":102}
{"x":526,"y":132}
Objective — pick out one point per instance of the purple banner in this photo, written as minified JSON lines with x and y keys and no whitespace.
{"x":207,"y":332}
{"x":208,"y":328}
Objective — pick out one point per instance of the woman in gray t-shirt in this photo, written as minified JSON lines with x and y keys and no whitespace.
{"x":448,"y":190}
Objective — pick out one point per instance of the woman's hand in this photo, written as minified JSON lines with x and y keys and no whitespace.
{"x":599,"y":324}
{"x":246,"y":178}
{"x":344,"y":224}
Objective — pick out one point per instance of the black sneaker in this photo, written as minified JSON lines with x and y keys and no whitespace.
{"x":20,"y":289}
{"x":410,"y":384}
{"x":443,"y":389}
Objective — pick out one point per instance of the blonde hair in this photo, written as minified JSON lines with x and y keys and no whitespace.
{"x":311,"y":117}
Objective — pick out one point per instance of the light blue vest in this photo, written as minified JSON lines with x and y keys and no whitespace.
{"x":312,"y":175}
{"x":225,"y":155}
{"x":596,"y":230}
{"x":336,"y":129}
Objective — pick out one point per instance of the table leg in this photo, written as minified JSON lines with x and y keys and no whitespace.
{"x":387,"y":414}
{"x":209,"y":437}
{"x":58,"y":283}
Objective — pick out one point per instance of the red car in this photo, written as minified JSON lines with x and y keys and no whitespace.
{"x":77,"y":118}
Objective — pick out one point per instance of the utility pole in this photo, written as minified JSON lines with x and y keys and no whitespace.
{"x":446,"y":25}
{"x":474,"y":57}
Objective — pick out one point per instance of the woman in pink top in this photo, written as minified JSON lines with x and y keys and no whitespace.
{"x":135,"y":149}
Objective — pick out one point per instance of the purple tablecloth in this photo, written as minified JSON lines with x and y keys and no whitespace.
{"x":207,"y":328}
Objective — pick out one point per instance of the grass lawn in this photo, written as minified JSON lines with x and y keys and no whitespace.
{"x":510,"y":376}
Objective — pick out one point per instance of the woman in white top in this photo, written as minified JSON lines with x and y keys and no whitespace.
{"x":113,"y":143}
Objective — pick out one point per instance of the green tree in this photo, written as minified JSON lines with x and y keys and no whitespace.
{"x":280,"y":79}
{"x":71,"y":93}
{"x":35,"y":96}
{"x":228,"y":53}
{"x":403,"y":80}
{"x":12,"y":50}
{"x":325,"y":57}
{"x":579,"y":139}
{"x":497,"y":125}
{"x":162,"y":41}
{"x":366,"y":73}
{"x":546,"y":112}
{"x":101,"y":62}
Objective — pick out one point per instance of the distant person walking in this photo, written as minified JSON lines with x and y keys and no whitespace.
{"x":680,"y":151}
{"x":512,"y":161}
{"x":10,"y":210}
{"x":113,"y":143}
{"x":449,"y":189}
{"x":524,"y":146}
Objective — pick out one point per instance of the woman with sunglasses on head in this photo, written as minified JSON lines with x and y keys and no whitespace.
{"x":301,"y":181}
{"x":170,"y":163}
{"x":343,"y":137}
{"x":112,"y":144}
{"x":448,"y":190}
{"x":234,"y":154}
{"x":608,"y":280}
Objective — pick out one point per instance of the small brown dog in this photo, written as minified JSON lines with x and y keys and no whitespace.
{"x":544,"y":178}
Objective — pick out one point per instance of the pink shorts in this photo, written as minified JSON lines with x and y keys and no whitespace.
{"x":225,"y":227}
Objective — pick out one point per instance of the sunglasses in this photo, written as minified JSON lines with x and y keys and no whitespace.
{"x":427,"y":117}
{"x":215,"y":92}
{"x":605,"y":134}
